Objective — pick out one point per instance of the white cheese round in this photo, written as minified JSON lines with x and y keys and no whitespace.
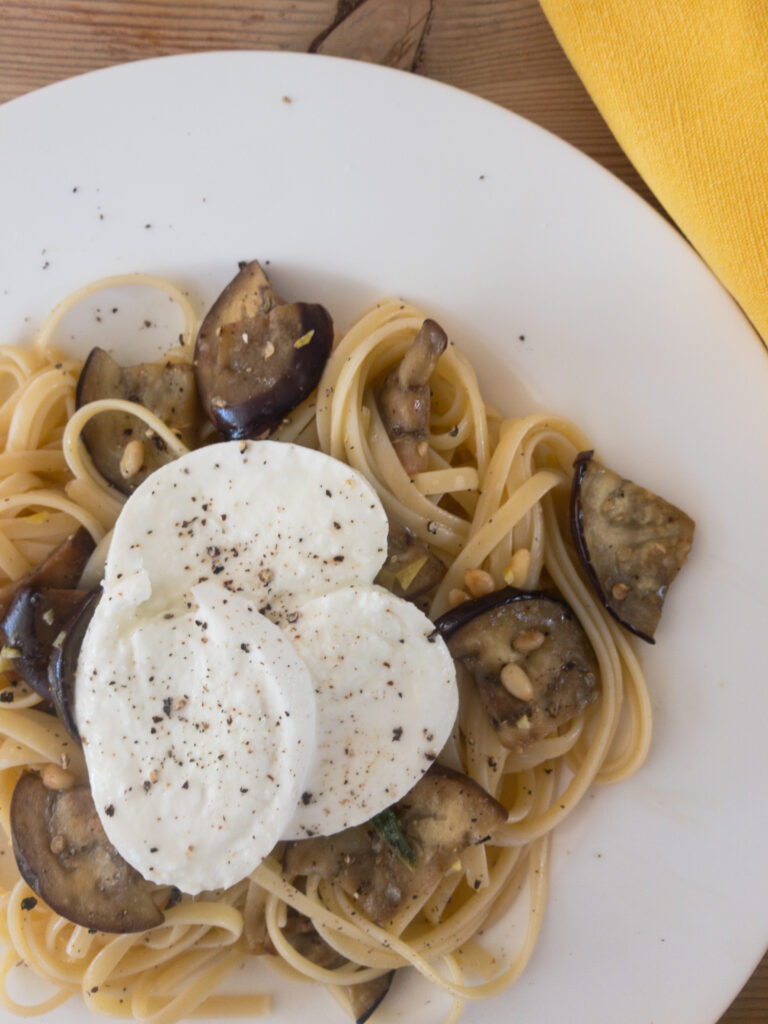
{"x":386,"y":694}
{"x":277,"y":521}
{"x":198,"y":730}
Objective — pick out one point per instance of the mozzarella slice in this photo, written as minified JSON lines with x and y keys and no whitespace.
{"x":277,"y":521}
{"x":386,"y":703}
{"x":198,"y":731}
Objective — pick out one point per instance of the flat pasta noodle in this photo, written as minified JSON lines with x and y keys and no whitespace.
{"x":489,"y":499}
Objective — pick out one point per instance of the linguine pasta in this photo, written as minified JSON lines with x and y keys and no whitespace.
{"x":492,"y":498}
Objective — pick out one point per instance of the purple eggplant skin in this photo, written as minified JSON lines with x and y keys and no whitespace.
{"x":257,"y":357}
{"x":61,"y":570}
{"x":631,"y":543}
{"x":64,"y":855}
{"x":62,"y":666}
{"x":33,"y":622}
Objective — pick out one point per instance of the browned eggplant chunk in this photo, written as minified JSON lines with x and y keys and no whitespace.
{"x":124,"y":450}
{"x":444,"y":813}
{"x":529,"y":658}
{"x":257,"y":357}
{"x":366,"y":998}
{"x":411,"y":570}
{"x":62,"y":664}
{"x":404,"y":398}
{"x":631,"y":543}
{"x":64,"y":855}
{"x":61,"y":570}
{"x":35,"y":618}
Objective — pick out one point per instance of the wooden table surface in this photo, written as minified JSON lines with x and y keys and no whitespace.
{"x":502,"y":50}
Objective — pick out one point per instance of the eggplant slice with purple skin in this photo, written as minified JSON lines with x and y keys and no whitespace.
{"x":64,"y":855}
{"x":62,"y":664}
{"x":364,"y":998}
{"x":61,"y":570}
{"x":631,"y":543}
{"x":165,"y":388}
{"x":441,"y":816}
{"x":529,"y":658}
{"x":257,"y":357}
{"x":34,"y":621}
{"x":411,"y":570}
{"x":404,"y":398}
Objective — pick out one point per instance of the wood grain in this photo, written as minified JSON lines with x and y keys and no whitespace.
{"x":502,"y":50}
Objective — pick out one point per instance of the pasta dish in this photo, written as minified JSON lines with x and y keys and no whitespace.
{"x":533,"y":563}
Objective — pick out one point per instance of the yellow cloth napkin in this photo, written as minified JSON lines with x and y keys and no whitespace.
{"x":683,"y":85}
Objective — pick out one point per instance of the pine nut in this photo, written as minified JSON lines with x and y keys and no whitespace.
{"x":516,"y":682}
{"x":55,"y":777}
{"x":132,"y":460}
{"x":519,"y":566}
{"x":530,"y":640}
{"x":478,"y":582}
{"x":457,"y":597}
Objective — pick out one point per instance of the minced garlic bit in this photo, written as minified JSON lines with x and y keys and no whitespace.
{"x":10,"y":653}
{"x":132,"y":459}
{"x":479,"y":582}
{"x":619,"y":591}
{"x":269,"y":349}
{"x":516,"y":682}
{"x":48,"y":616}
{"x":457,"y":597}
{"x":519,"y":566}
{"x":60,"y":638}
{"x":56,"y":777}
{"x":304,"y":339}
{"x":523,"y":723}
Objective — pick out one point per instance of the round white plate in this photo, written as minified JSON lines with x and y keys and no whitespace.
{"x":568,"y":293}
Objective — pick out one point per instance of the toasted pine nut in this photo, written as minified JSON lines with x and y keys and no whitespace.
{"x":132,"y":460}
{"x":56,"y":777}
{"x":457,"y":597}
{"x":478,"y":582}
{"x":530,"y":640}
{"x":519,"y":566}
{"x":58,"y":844}
{"x":515,"y":681}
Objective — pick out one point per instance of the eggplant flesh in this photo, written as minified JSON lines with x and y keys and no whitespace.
{"x":64,"y":855}
{"x":165,"y":388}
{"x":404,"y":398}
{"x":32,"y":625}
{"x":62,"y":663}
{"x":631,"y":542}
{"x":442,"y":815}
{"x":257,"y":357}
{"x":411,"y":570}
{"x":529,"y":659}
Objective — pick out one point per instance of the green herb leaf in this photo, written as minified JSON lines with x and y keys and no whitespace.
{"x":387,"y":825}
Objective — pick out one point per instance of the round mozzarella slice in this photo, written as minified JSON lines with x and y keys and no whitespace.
{"x":386,"y":703}
{"x":277,"y":521}
{"x":198,"y":729}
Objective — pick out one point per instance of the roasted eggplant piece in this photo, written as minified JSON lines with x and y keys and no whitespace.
{"x":62,"y":664}
{"x":35,"y":618}
{"x":257,"y":357}
{"x":123,"y":449}
{"x":631,"y":543}
{"x":411,"y":570}
{"x":529,"y":658}
{"x":444,"y":813}
{"x":61,"y":570}
{"x":404,"y":398}
{"x":64,"y":855}
{"x":364,"y":998}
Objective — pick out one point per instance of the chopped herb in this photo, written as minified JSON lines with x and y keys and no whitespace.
{"x":389,"y":828}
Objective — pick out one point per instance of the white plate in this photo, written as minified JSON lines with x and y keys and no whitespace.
{"x":371,"y":182}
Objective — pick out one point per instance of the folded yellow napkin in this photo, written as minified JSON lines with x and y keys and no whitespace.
{"x":683,"y":85}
